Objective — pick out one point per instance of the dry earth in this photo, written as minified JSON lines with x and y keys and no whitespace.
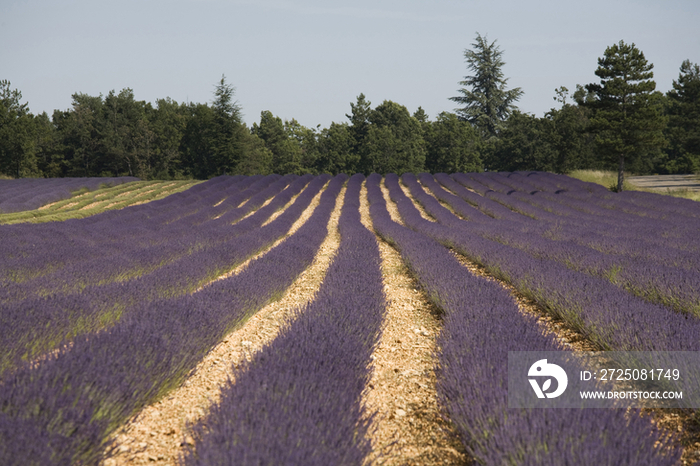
{"x":409,"y":427}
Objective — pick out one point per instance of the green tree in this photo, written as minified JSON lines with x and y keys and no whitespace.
{"x":452,"y":146}
{"x":48,"y":154}
{"x":359,"y":121}
{"x":286,"y":152}
{"x":336,"y":150}
{"x":421,"y":116}
{"x":306,"y":139}
{"x":683,"y":132}
{"x":17,"y":156}
{"x":523,"y":144}
{"x":394,"y":142}
{"x":567,"y":130}
{"x":197,"y":142}
{"x":256,"y":159}
{"x":168,"y":121}
{"x":627,"y":111}
{"x":485,"y":101}
{"x":227,"y":131}
{"x":127,"y":138}
{"x":81,"y":135}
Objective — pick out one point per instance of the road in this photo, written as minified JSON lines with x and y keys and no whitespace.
{"x":691,"y":182}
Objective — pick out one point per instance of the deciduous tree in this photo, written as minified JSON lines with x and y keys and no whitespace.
{"x":683,"y":110}
{"x":452,"y":146}
{"x":394,"y":141}
{"x":16,"y":134}
{"x":336,"y":150}
{"x":286,"y":152}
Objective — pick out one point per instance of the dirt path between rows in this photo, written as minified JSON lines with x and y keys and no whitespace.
{"x":408,"y":427}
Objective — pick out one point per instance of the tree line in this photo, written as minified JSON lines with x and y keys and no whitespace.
{"x":622,"y":122}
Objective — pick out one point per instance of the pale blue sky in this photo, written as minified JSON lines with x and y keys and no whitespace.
{"x":308,"y":59}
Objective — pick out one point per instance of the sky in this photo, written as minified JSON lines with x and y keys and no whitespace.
{"x":309,"y":59}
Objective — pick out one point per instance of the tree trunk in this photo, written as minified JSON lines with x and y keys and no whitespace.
{"x":621,"y":173}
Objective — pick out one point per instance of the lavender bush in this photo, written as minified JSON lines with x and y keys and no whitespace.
{"x":657,"y":272}
{"x":610,"y":317}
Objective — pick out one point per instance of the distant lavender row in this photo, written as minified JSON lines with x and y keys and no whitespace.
{"x":610,"y":317}
{"x":661,"y":224}
{"x":575,"y":205}
{"x":652,"y":266}
{"x":24,"y":333}
{"x":299,"y":400}
{"x":136,"y":255}
{"x":117,"y":232}
{"x":659,"y":280}
{"x":70,"y":404}
{"x":32,"y":193}
{"x":481,"y":324}
{"x":33,"y":323}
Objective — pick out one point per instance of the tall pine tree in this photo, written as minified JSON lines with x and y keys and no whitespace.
{"x":627,"y":111}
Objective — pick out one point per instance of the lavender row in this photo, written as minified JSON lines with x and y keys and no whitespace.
{"x":104,"y":235}
{"x":610,"y":317}
{"x":483,"y":204}
{"x":26,"y":333}
{"x":611,"y":208}
{"x":102,"y":230}
{"x":298,"y":401}
{"x":71,"y":403}
{"x":664,"y":275}
{"x":660,"y":226}
{"x":481,"y":324}
{"x":675,"y":287}
{"x":32,"y":193}
{"x":169,"y":244}
{"x":23,"y":240}
{"x":129,"y":236}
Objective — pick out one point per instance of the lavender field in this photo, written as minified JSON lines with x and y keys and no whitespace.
{"x":29,"y":194}
{"x":106,"y":316}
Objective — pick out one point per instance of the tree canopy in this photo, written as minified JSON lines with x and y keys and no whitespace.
{"x":620,"y":122}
